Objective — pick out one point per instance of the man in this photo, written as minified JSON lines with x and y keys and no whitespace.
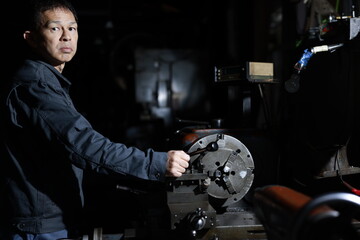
{"x":46,"y":143}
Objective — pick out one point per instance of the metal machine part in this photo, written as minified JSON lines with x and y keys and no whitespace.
{"x":291,"y":215}
{"x":229,"y":168}
{"x":189,"y":204}
{"x":220,"y":169}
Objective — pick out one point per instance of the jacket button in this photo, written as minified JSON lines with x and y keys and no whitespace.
{"x":157,"y":175}
{"x":21,"y":225}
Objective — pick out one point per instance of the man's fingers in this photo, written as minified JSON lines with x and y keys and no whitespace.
{"x":178,"y":165}
{"x":178,"y":161}
{"x":184,"y":164}
{"x":179,"y":154}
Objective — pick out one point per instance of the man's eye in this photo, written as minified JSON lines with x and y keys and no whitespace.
{"x":72,"y":29}
{"x":54,"y":28}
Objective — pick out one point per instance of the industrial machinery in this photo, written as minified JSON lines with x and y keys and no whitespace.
{"x":207,"y":201}
{"x":288,"y":214}
{"x":210,"y":201}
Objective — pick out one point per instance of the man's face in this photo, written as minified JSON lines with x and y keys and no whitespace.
{"x":57,"y":37}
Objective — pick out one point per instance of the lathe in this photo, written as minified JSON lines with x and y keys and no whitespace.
{"x":207,"y":202}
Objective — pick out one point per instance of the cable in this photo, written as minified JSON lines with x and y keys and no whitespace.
{"x":338,"y":172}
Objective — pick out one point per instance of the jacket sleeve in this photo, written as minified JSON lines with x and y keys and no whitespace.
{"x":48,"y":107}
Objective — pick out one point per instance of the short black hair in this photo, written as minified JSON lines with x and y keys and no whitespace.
{"x":37,"y":7}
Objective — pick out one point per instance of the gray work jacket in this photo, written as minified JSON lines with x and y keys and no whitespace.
{"x":45,"y":146}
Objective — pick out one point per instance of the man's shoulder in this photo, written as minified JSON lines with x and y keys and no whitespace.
{"x":32,"y":71}
{"x":28,"y":69}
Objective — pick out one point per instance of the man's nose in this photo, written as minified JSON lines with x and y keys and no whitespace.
{"x":66,"y":36}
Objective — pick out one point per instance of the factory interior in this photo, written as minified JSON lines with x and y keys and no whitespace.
{"x":262,"y":95}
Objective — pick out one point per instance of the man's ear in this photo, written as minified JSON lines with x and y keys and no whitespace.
{"x":29,"y":37}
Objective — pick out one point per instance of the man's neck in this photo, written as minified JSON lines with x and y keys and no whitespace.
{"x":60,"y":68}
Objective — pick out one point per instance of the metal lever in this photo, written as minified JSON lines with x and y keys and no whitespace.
{"x":211,"y":147}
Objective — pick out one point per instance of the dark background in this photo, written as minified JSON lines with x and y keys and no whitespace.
{"x":129,"y":49}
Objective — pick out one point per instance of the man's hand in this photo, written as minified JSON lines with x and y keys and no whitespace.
{"x":177,"y":163}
